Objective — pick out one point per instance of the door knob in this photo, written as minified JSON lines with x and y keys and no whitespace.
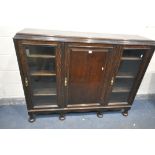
{"x":26,"y":82}
{"x":65,"y":81}
{"x":112,"y":81}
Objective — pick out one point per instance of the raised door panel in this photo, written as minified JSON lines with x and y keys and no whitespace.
{"x":42,"y":73}
{"x":87,"y":69}
{"x":132,"y":66}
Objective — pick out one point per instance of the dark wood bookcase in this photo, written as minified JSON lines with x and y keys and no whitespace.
{"x":80,"y":72}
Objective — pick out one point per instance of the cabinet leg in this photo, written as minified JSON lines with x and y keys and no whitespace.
{"x":31,"y":118}
{"x":99,"y":114}
{"x":62,"y":117}
{"x":125,"y":113}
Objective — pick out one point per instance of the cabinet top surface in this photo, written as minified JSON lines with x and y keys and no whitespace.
{"x":70,"y":36}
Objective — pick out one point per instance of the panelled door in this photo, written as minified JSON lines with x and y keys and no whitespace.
{"x":86,"y":74}
{"x":42,"y":73}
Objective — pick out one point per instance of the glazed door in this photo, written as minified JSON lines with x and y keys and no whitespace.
{"x":86,"y":74}
{"x":42,"y":74}
{"x":132,"y":66}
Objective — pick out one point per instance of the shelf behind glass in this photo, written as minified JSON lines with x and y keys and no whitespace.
{"x":133,"y":54}
{"x":42,"y":73}
{"x":45,"y":101}
{"x":122,"y":85}
{"x":40,"y":50}
{"x":128,"y":68}
{"x":41,"y":56}
{"x":44,"y":86}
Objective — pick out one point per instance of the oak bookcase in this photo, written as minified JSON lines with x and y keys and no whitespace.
{"x":80,"y":72}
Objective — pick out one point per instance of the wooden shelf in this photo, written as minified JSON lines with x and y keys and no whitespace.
{"x":120,"y":89}
{"x":42,"y":73}
{"x":131,"y":58}
{"x":125,"y":75}
{"x":45,"y":92}
{"x":41,"y":56}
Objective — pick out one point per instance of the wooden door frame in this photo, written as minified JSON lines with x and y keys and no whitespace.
{"x":139,"y":77}
{"x":141,"y":71}
{"x":116,"y":57}
{"x":24,"y":69}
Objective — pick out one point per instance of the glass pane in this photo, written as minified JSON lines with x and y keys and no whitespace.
{"x":43,"y":86}
{"x":42,"y":68}
{"x":133,"y":54}
{"x":118,"y":97}
{"x":122,"y":85}
{"x":44,"y":101}
{"x":128,"y":69}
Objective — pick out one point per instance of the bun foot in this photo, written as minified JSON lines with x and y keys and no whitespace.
{"x":125,"y":113}
{"x":99,"y":114}
{"x":62,"y":117}
{"x":31,"y":119}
